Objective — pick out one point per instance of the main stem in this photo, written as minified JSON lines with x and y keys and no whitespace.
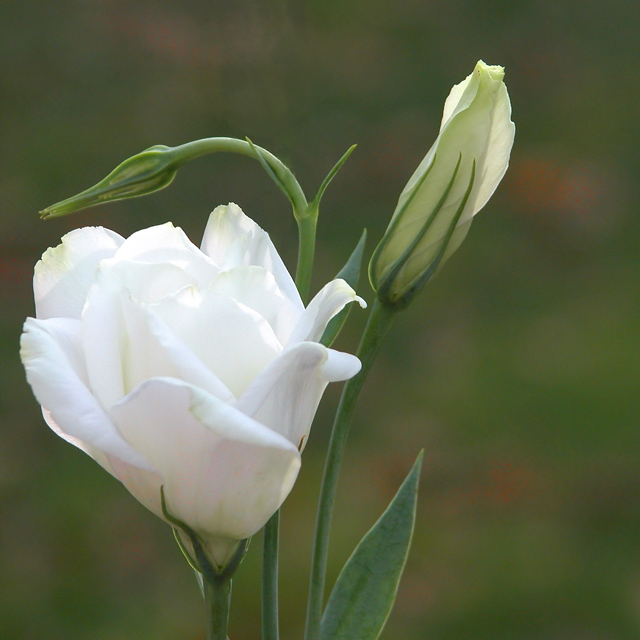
{"x":218,"y":598}
{"x":379,"y":321}
{"x":306,"y":251}
{"x":271,"y":534}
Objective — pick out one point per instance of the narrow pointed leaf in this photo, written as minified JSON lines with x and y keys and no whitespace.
{"x":331,"y":175}
{"x":350,"y":273}
{"x":366,"y":588}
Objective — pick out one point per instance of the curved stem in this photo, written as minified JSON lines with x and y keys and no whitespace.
{"x":197,"y":148}
{"x":306,"y":214}
{"x":379,"y":321}
{"x":218,"y":597}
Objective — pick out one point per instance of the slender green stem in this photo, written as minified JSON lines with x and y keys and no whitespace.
{"x":271,"y":534}
{"x":270,"y":630}
{"x":197,"y":148}
{"x":306,"y":251}
{"x":218,"y":597}
{"x":379,"y":321}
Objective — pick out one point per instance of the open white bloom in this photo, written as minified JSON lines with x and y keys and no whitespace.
{"x":194,"y":369}
{"x":452,"y":183}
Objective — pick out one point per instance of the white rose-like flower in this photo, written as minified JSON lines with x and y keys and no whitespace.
{"x":196,"y":370}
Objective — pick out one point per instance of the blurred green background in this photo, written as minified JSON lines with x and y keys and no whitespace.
{"x":517,"y":369}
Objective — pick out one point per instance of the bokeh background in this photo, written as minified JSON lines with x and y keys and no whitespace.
{"x":517,"y":369}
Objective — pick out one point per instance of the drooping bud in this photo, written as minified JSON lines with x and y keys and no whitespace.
{"x":453,"y":182}
{"x":144,"y":173}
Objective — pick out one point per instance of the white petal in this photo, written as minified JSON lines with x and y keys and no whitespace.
{"x":499,"y":146}
{"x":109,"y":347}
{"x":232,"y":240}
{"x":142,"y":357}
{"x":104,"y":338}
{"x":228,"y":235}
{"x":340,"y":366}
{"x":63,"y":276}
{"x":286,"y":394}
{"x":257,"y":288}
{"x":330,"y":300}
{"x":463,"y":94}
{"x":457,"y":99}
{"x":164,"y":244}
{"x":233,"y":341}
{"x":224,"y":474}
{"x":154,"y":350}
{"x":146,"y":282}
{"x":51,"y":353}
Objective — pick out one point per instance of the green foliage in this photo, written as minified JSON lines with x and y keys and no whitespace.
{"x":364,"y":593}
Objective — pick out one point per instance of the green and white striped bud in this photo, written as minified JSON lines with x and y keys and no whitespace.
{"x":453,"y":182}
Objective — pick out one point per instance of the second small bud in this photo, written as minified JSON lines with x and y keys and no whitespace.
{"x":146,"y":172}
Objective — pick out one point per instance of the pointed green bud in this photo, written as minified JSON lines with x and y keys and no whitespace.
{"x":144,"y":173}
{"x":454,"y":181}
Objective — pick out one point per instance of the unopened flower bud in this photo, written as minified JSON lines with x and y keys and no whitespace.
{"x":144,"y":173}
{"x":453,"y":182}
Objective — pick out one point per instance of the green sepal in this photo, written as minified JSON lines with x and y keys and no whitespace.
{"x":350,"y":273}
{"x":200,"y":581}
{"x":201,"y":563}
{"x":386,"y":288}
{"x":315,"y":203}
{"x":185,"y":552}
{"x":409,"y":292}
{"x":395,"y":221}
{"x":366,"y":588}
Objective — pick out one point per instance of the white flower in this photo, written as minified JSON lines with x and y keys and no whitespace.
{"x":452,"y":183}
{"x":196,"y":370}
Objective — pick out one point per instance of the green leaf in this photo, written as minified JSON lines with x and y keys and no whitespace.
{"x":350,"y":273}
{"x":363,"y":595}
{"x":330,"y":176}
